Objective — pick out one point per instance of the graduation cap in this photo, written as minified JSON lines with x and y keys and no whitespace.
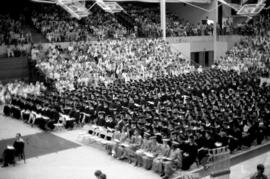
{"x":153,"y":137}
{"x":150,"y":102}
{"x":218,"y":144}
{"x":101,"y":112}
{"x":165,"y":140}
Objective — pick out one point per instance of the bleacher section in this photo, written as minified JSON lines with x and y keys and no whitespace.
{"x":13,"y":68}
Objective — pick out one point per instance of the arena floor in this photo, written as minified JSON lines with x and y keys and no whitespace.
{"x":60,"y":155}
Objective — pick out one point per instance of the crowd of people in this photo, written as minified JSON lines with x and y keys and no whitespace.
{"x":194,"y":111}
{"x":92,"y":63}
{"x":148,"y":18}
{"x":19,"y":88}
{"x":251,"y":51}
{"x":57,"y":25}
{"x":11,"y":31}
{"x":11,"y":152}
{"x":164,"y":114}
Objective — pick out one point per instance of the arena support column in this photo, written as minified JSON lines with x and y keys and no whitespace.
{"x":215,"y":33}
{"x":163,"y":18}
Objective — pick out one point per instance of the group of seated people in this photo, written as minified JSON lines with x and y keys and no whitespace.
{"x":17,"y":50}
{"x":19,"y":88}
{"x":148,"y":18}
{"x":56,"y":24}
{"x":91,"y":63}
{"x":250,"y":52}
{"x":164,"y":114}
{"x":188,"y":113}
{"x":11,"y":31}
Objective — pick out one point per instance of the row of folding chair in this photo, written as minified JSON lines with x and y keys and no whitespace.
{"x":96,"y":134}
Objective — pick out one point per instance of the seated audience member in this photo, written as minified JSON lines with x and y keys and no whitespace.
{"x":10,"y":51}
{"x":144,"y":148}
{"x":163,"y":155}
{"x":19,"y":146}
{"x":8,"y":156}
{"x":173,"y":162}
{"x":134,"y":144}
{"x":152,"y":153}
{"x":10,"y":152}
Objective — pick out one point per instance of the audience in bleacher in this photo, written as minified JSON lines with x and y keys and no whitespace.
{"x":251,"y":52}
{"x":103,"y":62}
{"x":11,"y":31}
{"x":19,"y":88}
{"x":57,"y":25}
{"x":148,"y":19}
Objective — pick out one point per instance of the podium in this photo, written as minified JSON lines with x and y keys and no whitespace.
{"x":219,"y":163}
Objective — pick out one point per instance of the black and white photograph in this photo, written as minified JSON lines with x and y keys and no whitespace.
{"x":135,"y":89}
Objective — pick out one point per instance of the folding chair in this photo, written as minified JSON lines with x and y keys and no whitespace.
{"x":59,"y":125}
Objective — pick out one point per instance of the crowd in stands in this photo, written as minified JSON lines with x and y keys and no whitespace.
{"x":17,"y":50}
{"x":19,"y":88}
{"x":110,"y":60}
{"x":252,"y":51}
{"x":11,"y":31}
{"x":148,"y":18}
{"x":57,"y":25}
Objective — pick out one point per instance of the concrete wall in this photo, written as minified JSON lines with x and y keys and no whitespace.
{"x":187,"y":45}
{"x":184,"y":48}
{"x":192,"y":14}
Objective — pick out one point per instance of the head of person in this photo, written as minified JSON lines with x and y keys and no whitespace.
{"x":102,"y":176}
{"x":260,"y":169}
{"x":18,"y":136}
{"x":154,"y":139}
{"x":98,"y":173}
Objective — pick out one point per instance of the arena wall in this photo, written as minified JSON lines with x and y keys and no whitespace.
{"x":187,"y":45}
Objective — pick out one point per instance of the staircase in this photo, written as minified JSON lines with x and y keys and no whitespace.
{"x":13,"y":68}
